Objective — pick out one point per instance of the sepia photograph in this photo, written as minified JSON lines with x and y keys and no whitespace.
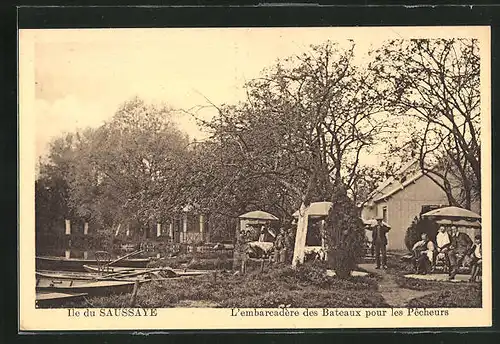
{"x":327,"y":177}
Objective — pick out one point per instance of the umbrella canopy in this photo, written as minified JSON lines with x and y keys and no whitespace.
{"x":453,"y":213}
{"x":317,"y":209}
{"x":373,"y":223}
{"x":460,"y":222}
{"x":259,"y":215}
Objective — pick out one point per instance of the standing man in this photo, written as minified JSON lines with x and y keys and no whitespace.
{"x":379,"y":240}
{"x":460,"y":244}
{"x":279,"y":247}
{"x":442,"y":245}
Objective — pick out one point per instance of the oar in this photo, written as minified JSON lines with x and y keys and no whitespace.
{"x":125,"y":256}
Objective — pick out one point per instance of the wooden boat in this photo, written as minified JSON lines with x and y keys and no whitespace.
{"x":92,"y":288}
{"x":74,"y":264}
{"x":67,"y":275}
{"x":51,"y":299}
{"x":121,"y":271}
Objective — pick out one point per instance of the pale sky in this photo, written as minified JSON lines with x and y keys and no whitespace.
{"x":82,"y":76}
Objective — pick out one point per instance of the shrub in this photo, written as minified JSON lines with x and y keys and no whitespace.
{"x":417,"y":227}
{"x":345,"y":233}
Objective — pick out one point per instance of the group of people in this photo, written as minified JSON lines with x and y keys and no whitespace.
{"x":453,"y":246}
{"x":283,"y":246}
{"x":281,"y":249}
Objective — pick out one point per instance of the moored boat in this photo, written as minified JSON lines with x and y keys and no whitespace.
{"x":92,"y":288}
{"x":121,"y":271}
{"x":75,"y":264}
{"x":51,"y":299}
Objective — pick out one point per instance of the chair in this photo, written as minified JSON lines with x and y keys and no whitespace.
{"x":442,"y":261}
{"x":103,"y":259}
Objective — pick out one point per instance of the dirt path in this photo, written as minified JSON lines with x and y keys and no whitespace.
{"x":394,"y":295}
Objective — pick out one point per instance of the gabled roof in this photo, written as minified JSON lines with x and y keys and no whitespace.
{"x":395,"y":183}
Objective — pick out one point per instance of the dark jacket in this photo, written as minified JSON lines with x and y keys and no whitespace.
{"x":461,"y":243}
{"x":379,"y":234}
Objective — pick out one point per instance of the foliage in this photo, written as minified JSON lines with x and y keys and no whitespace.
{"x":133,"y":169}
{"x":418,"y":226}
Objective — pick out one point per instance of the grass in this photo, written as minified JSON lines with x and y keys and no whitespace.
{"x":458,"y":296}
{"x":307,"y":286}
{"x":445,"y":294}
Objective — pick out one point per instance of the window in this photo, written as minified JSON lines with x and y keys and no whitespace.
{"x":384,"y":213}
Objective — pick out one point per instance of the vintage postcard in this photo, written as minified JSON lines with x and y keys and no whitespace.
{"x":255,"y":178}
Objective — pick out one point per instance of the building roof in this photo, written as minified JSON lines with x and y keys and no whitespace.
{"x":392,"y":185}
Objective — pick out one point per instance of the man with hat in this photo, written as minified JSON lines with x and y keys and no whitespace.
{"x":379,"y":240}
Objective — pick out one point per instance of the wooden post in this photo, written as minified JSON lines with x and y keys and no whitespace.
{"x":243,"y":264}
{"x":134,"y":294}
{"x":215,"y":276}
{"x":322,"y":231}
{"x":118,"y":229}
{"x":171,"y":231}
{"x":128,"y":230}
{"x":86,"y":228}
{"x":68,"y":227}
{"x":184,"y":227}
{"x":158,"y":229}
{"x":67,"y":254}
{"x":262,"y":265}
{"x":202,"y":224}
{"x":85,"y":255}
{"x":300,"y":238}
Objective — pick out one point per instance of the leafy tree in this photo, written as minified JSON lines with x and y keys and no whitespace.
{"x":132,"y":169}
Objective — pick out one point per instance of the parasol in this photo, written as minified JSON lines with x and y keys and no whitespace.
{"x":452,"y":213}
{"x":258,"y":215}
{"x":459,"y":223}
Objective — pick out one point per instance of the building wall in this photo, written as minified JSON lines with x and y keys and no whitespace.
{"x":404,"y":206}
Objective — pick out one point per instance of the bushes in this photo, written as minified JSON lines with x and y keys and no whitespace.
{"x":417,"y":227}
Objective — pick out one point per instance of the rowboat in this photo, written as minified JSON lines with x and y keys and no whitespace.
{"x":92,"y":288}
{"x":50,"y":299}
{"x":121,"y":271}
{"x":66,"y":275}
{"x":75,"y":264}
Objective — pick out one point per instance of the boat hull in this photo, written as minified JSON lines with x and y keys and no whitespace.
{"x":92,"y":288}
{"x":46,"y":299}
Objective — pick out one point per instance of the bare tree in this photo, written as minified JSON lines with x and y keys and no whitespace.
{"x":435,"y":91}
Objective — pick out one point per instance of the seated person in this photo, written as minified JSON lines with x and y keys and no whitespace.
{"x":423,"y":252}
{"x":476,"y":258}
{"x":460,"y":244}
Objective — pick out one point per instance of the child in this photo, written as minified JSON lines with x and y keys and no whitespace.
{"x":476,"y":258}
